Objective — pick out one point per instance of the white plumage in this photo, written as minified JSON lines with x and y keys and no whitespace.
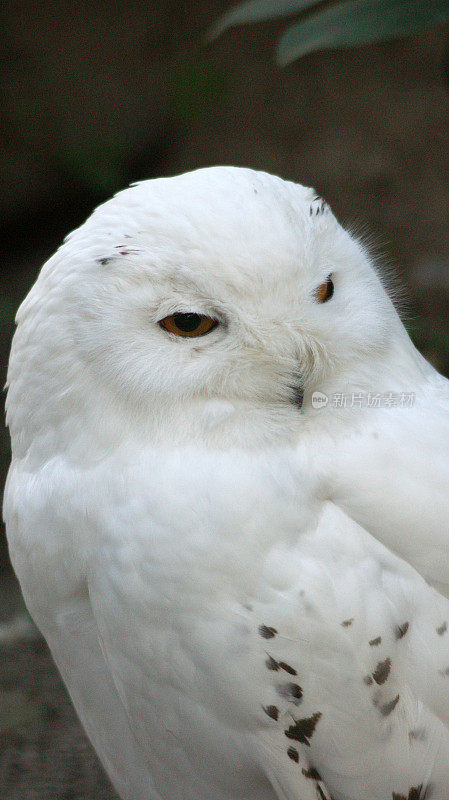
{"x":189,"y":539}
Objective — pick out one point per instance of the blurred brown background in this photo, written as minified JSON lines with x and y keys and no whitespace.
{"x":99,"y":94}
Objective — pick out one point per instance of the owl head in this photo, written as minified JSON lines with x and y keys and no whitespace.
{"x":216,"y":291}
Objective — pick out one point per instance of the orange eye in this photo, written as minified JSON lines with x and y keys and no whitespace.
{"x":188,"y":325}
{"x":325,"y":291}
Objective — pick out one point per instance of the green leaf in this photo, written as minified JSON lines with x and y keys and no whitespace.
{"x":358,"y":22}
{"x":257,"y":11}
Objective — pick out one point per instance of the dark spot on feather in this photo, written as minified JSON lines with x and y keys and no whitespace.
{"x":287,"y":668}
{"x":382,"y":671}
{"x":317,"y":206}
{"x":368,"y":680}
{"x":295,"y":691}
{"x":271,"y":711}
{"x":293,"y":754}
{"x":442,"y":629}
{"x":417,"y":735}
{"x":105,"y":260}
{"x":291,"y":691}
{"x":387,"y":708}
{"x":270,"y":663}
{"x":401,"y":630}
{"x":126,"y":236}
{"x":414,"y":793}
{"x":303,"y":729}
{"x":124,"y":251}
{"x":347,"y":622}
{"x":376,"y":641}
{"x":311,"y":773}
{"x":444,"y":672}
{"x":266,"y":632}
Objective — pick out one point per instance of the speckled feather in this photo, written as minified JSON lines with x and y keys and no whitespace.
{"x":182,"y":531}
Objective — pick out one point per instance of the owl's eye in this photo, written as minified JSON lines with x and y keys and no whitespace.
{"x":325,"y":291}
{"x":188,"y":325}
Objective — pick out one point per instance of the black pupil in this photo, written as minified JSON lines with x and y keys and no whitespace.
{"x":329,"y":289}
{"x":187,"y":322}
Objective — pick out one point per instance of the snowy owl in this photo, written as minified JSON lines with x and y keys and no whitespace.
{"x":234,"y":583}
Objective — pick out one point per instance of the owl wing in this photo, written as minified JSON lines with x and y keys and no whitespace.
{"x":332,"y":676}
{"x":76,"y":648}
{"x":368,"y":641}
{"x":59,"y":603}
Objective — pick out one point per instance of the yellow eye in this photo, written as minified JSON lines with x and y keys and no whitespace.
{"x":188,"y":325}
{"x":325,"y":291}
